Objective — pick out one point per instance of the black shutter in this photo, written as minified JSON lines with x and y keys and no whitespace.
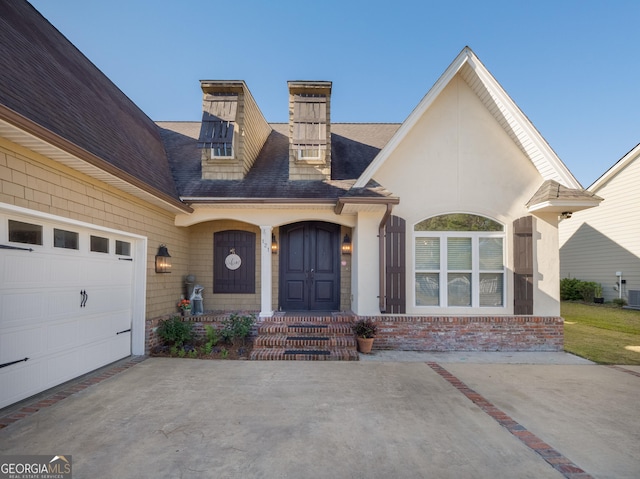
{"x":218,"y":119}
{"x":523,"y":265}
{"x":395,"y":266}
{"x":243,"y":279}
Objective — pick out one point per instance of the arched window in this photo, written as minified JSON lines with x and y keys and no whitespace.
{"x":459,"y":261}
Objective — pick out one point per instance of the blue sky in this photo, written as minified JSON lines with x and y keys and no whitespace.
{"x":571,"y":66}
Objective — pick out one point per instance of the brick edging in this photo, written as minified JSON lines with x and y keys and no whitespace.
{"x":72,"y":388}
{"x":553,"y":457}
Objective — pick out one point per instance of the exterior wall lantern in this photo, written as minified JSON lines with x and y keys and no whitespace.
{"x":346,"y":245}
{"x":163,"y":260}
{"x":274,"y":244}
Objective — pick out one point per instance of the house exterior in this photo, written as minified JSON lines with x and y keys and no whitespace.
{"x":444,"y":228}
{"x":603,"y":244}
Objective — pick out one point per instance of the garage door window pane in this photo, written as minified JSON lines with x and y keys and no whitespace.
{"x":99,"y":244}
{"x":20,"y":232}
{"x":123,"y":248}
{"x":65,"y":239}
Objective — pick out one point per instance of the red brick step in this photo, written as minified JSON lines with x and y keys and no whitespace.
{"x":322,"y":338}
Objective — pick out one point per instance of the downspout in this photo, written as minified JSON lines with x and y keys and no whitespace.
{"x":381,"y":245}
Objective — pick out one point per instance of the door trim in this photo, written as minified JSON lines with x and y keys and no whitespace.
{"x":309,"y":275}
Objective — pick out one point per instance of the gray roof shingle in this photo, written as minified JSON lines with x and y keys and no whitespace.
{"x":47,"y":80}
{"x":353,"y":147}
{"x":551,"y":190}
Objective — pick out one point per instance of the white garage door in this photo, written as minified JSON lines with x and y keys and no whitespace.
{"x":65,"y":303}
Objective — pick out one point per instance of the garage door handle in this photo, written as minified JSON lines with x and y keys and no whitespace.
{"x":13,"y":362}
{"x":125,"y":331}
{"x":83,"y":298}
{"x":4,"y":246}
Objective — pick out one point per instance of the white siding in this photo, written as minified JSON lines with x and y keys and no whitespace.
{"x":598,"y":242}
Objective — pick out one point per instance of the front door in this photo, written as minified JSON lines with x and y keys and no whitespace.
{"x":310,"y":267}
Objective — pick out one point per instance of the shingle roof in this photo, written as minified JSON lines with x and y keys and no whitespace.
{"x":552,"y":190}
{"x":353,"y":147}
{"x":552,"y":196}
{"x":47,"y":80}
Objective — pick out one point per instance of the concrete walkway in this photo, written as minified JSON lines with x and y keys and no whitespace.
{"x":402,"y":418}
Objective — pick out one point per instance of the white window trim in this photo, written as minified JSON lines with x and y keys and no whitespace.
{"x":224,"y":157}
{"x":303,"y":157}
{"x":475,"y":271}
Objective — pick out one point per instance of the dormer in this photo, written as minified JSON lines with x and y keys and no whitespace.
{"x":233,"y":130}
{"x":309,"y":130}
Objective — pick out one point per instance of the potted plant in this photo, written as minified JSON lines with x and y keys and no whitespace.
{"x":185,"y":307}
{"x":365,"y":331}
{"x":597,"y":294}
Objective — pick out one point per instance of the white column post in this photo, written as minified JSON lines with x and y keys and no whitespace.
{"x":266,"y":308}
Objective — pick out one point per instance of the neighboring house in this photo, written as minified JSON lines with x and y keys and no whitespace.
{"x":603,"y":244}
{"x":443,"y":228}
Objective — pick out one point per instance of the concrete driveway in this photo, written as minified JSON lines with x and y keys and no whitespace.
{"x":181,"y":418}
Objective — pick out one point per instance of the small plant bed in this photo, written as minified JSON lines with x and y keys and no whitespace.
{"x":232,"y":341}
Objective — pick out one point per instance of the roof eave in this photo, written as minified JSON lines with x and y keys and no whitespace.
{"x":35,"y":137}
{"x":615,"y":169}
{"x":255,"y":201}
{"x":467,"y":56}
{"x":563,"y":206}
{"x":413,"y":117}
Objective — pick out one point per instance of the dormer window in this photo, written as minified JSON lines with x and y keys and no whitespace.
{"x":310,"y":126}
{"x":222,"y":150}
{"x":308,"y":154}
{"x":217,"y":133}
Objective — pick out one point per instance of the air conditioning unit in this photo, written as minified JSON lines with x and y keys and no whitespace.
{"x":634,"y":298}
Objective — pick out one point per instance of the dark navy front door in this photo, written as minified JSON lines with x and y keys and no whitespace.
{"x":310,"y":267}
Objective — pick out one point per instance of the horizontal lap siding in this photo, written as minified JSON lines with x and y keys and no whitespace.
{"x":598,"y":242}
{"x":258,"y":130}
{"x":32,"y":181}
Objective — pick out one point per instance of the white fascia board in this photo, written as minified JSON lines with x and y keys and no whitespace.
{"x":494,"y":88}
{"x":562,"y":206}
{"x":492,"y":85}
{"x":413,"y":118}
{"x":615,"y":169}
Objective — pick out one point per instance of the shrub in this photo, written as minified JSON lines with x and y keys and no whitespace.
{"x":212,"y":339}
{"x":598,"y":290}
{"x":619,"y":302}
{"x":573,"y":289}
{"x":570,"y":289}
{"x":175,"y":332}
{"x":211,"y":335}
{"x":588,"y":291}
{"x":237,"y":327}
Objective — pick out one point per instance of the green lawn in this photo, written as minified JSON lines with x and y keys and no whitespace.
{"x":606,"y":335}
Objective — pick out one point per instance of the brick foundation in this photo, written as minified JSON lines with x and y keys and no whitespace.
{"x":431,"y":333}
{"x":469,"y":333}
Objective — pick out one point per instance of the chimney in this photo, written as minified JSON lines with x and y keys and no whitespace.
{"x":309,"y":130}
{"x":233,"y":130}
